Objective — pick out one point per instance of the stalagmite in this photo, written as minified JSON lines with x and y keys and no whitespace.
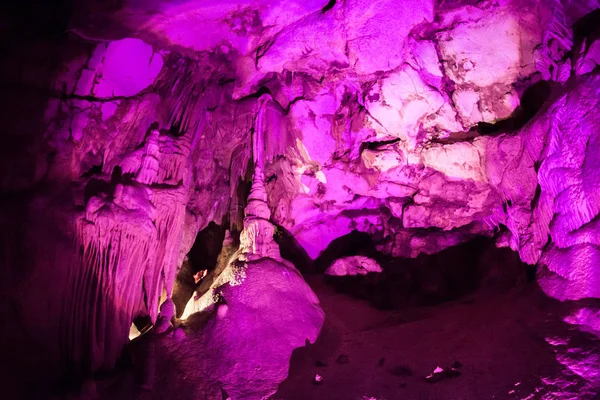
{"x":256,"y":238}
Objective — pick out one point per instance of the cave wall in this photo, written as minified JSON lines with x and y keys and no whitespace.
{"x":406,"y":121}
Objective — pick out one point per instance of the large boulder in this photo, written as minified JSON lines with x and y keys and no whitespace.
{"x":256,"y":313}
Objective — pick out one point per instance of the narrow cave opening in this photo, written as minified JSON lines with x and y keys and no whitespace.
{"x":352,"y":244}
{"x":201,"y":259}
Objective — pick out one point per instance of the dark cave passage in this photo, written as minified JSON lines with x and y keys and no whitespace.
{"x":427,"y":279}
{"x":201,"y":259}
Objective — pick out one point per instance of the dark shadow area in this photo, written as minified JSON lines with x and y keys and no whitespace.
{"x":32,"y":18}
{"x":328,"y":6}
{"x":587,"y":28}
{"x":34,"y":47}
{"x":206,"y":248}
{"x":97,"y":186}
{"x":201,"y":259}
{"x":291,"y":250}
{"x":532,"y":100}
{"x":427,"y":279}
{"x":351,"y":244}
{"x":497,"y":340}
{"x":535,"y":98}
{"x":239,"y":203}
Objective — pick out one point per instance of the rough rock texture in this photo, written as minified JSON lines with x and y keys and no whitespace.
{"x":356,"y":265}
{"x":557,"y":228}
{"x":409,"y":121}
{"x":243,"y":342}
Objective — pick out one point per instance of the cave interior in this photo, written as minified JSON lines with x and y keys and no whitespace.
{"x":294,"y":200}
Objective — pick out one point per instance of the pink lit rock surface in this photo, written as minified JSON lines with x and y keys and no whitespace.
{"x":121,"y":68}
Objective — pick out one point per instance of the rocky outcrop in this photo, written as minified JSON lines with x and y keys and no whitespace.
{"x":351,"y":266}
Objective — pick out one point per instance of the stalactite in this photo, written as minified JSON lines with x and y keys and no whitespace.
{"x":116,"y":247}
{"x":170,"y":224}
{"x":164,"y":160}
{"x":150,"y":165}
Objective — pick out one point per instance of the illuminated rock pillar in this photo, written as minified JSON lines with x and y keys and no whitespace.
{"x":256,"y":238}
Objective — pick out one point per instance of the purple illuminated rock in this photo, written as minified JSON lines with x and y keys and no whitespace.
{"x":566,"y":142}
{"x":246,"y":344}
{"x":121,"y":68}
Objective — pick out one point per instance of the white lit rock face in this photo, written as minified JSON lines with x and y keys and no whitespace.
{"x":369,"y":113}
{"x":351,"y":266}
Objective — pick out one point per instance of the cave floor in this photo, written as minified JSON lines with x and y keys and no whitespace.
{"x":499,"y":338}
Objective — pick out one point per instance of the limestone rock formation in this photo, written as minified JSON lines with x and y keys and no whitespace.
{"x":422,"y":124}
{"x":351,"y":266}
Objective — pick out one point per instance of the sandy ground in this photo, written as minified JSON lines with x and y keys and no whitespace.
{"x":364,"y":353}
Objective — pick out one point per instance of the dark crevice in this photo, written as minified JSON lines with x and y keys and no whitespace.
{"x":261,"y":91}
{"x":530,"y":272}
{"x":328,"y":6}
{"x":532,"y":100}
{"x":262,"y":50}
{"x":143,"y":323}
{"x":459,"y":137}
{"x":242,"y":192}
{"x":207,"y":246}
{"x":290,"y":104}
{"x":94,"y":99}
{"x":98,"y":186}
{"x":536,"y":197}
{"x":344,"y":246}
{"x":164,"y":185}
{"x":224,"y":81}
{"x":94,"y":170}
{"x":202,"y":258}
{"x":377,"y":145}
